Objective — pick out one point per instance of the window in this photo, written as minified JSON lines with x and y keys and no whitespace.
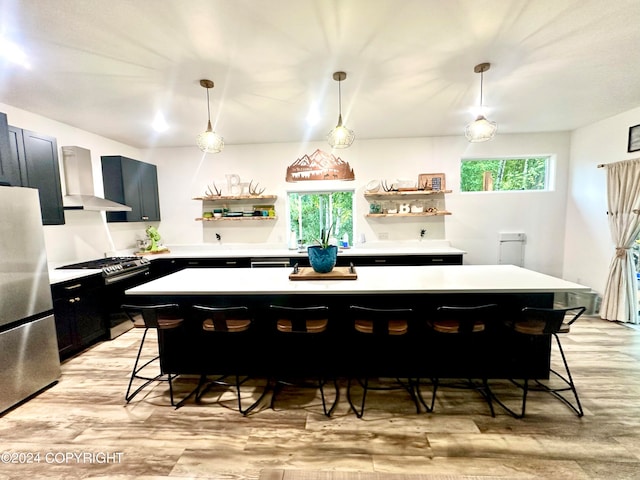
{"x":500,"y":174}
{"x":310,"y":212}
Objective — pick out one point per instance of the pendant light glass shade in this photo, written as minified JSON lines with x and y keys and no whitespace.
{"x":209,"y":141}
{"x":341,"y":136}
{"x":481,"y":129}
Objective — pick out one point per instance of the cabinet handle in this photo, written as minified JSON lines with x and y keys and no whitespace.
{"x":74,"y":300}
{"x":144,"y":217}
{"x":434,"y":260}
{"x":193,"y":263}
{"x":73,"y":287}
{"x":380,"y":260}
{"x":231,"y":262}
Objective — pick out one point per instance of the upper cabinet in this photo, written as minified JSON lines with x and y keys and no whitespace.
{"x":9,"y":166}
{"x":132,"y":183}
{"x":37,"y":158}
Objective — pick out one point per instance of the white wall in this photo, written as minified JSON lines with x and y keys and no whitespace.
{"x":588,"y":244}
{"x":476,"y":218}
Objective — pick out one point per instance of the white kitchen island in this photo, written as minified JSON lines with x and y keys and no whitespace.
{"x":451,"y":279}
{"x":421,"y":288}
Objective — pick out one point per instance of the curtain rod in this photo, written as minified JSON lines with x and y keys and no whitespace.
{"x":601,"y":165}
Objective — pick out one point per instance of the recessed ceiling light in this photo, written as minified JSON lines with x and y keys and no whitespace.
{"x":313,"y":116}
{"x":159,"y":123}
{"x":13,"y":53}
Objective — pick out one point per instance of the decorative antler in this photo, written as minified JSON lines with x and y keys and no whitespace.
{"x":385,"y":187}
{"x":210,"y":193}
{"x":254,"y":190}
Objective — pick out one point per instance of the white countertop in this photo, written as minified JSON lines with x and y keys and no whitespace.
{"x":402,"y":279}
{"x":240,"y":250}
{"x":59,"y":276}
{"x":249,"y":250}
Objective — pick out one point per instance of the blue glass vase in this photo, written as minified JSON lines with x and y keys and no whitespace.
{"x":322,"y":260}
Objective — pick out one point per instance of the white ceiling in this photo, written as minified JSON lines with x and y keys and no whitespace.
{"x":109,"y":66}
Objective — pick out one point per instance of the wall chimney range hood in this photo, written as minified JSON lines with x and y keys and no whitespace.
{"x":78,"y":175}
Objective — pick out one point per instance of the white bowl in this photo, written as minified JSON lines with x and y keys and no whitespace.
{"x":373,"y":186}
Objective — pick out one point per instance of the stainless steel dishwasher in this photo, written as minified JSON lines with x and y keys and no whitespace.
{"x":270,"y":262}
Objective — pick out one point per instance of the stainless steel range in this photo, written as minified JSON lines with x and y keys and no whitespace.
{"x":120,"y":274}
{"x":114,"y":269}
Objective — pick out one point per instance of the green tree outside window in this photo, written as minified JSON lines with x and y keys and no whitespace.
{"x":527,"y":173}
{"x":310,"y":213}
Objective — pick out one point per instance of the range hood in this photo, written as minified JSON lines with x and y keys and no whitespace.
{"x":78,"y":175}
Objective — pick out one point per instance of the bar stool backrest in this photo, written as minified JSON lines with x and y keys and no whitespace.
{"x":162,"y":316}
{"x":463,"y":319}
{"x":223,"y":319}
{"x":313,"y":319}
{"x":381,"y":321}
{"x":546,"y":321}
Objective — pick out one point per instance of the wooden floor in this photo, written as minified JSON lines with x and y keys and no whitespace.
{"x":81,"y":428}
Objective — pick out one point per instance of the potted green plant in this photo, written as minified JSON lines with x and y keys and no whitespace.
{"x":322,"y":257}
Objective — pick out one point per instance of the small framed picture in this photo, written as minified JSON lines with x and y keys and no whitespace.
{"x":431,"y":181}
{"x":634,"y":139}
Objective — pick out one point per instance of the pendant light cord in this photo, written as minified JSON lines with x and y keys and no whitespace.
{"x":208,"y":107}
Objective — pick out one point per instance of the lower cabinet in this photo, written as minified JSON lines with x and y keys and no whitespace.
{"x":79,"y":315}
{"x":398,"y":260}
{"x":164,"y":266}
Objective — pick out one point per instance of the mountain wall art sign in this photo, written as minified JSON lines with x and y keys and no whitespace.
{"x":319,"y":166}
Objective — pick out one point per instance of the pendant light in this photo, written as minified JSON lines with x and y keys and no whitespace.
{"x":481,"y":129}
{"x":209,"y":141}
{"x":341,"y":136}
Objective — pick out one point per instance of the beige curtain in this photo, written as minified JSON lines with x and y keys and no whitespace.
{"x":620,"y":301}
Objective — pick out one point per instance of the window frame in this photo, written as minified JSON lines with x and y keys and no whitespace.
{"x":315,"y":190}
{"x":550,"y":177}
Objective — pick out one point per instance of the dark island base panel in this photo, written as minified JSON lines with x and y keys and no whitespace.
{"x":499,"y":353}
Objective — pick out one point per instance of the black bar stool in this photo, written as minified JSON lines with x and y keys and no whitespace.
{"x":300,"y":353}
{"x":534,"y":323}
{"x":164,"y":318}
{"x":461,"y":350}
{"x":383,"y":350}
{"x":227,"y":336}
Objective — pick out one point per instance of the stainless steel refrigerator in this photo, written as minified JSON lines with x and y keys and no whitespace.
{"x":29,"y":359}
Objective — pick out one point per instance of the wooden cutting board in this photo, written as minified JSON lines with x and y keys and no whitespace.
{"x":338,"y":273}
{"x":157,"y":252}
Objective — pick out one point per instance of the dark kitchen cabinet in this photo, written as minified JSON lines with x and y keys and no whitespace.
{"x":395,"y":260}
{"x":164,"y":266}
{"x":79,"y":314}
{"x":345,"y":260}
{"x":9,"y":166}
{"x":133,"y":183}
{"x":37,"y":159}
